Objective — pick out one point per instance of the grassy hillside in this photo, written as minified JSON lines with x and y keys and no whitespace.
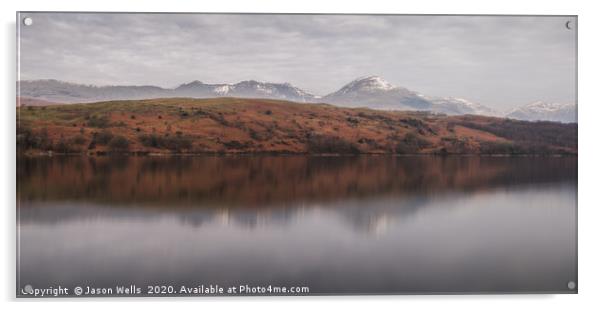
{"x":229,"y":125}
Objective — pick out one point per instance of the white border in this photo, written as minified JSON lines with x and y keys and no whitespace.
{"x":590,"y":118}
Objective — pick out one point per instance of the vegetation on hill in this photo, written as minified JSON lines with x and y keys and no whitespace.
{"x":234,"y":125}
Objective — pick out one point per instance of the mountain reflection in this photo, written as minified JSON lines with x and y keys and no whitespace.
{"x":366,"y":215}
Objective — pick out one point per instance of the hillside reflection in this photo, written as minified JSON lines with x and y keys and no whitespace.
{"x":366,"y":193}
{"x":267,"y":182}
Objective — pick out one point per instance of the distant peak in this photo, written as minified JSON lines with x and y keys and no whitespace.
{"x":368,"y":83}
{"x":372,"y":79}
{"x":193,"y":83}
{"x":369,"y":78}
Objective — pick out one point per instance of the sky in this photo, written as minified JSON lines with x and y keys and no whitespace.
{"x":500,"y":61}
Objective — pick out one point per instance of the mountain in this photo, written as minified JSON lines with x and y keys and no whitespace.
{"x":539,"y":110}
{"x":376,"y":93}
{"x":58,"y":91}
{"x":459,"y":106}
{"x":245,"y":89}
{"x":64,"y":92}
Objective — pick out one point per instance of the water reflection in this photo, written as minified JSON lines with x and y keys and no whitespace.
{"x":369,"y":224}
{"x":259,"y":182}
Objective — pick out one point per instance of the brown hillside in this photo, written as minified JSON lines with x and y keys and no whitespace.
{"x":229,"y":125}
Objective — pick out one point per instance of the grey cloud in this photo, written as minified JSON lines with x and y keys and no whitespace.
{"x":500,"y":61}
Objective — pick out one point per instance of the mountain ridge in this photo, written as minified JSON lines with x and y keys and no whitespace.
{"x":371,"y":91}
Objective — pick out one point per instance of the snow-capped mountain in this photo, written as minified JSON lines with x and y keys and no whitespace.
{"x":539,"y":110}
{"x":248,"y":89}
{"x":368,"y":84}
{"x":376,"y":93}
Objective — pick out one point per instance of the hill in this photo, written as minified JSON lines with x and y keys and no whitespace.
{"x":237,"y":125}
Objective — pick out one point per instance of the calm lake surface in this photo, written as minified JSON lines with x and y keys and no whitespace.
{"x":374,"y":224}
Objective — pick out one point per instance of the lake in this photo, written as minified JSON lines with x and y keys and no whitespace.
{"x":336,"y":225}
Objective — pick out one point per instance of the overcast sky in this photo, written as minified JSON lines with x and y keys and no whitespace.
{"x":501,"y":62}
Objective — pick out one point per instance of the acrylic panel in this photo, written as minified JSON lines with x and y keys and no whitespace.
{"x":196,"y":154}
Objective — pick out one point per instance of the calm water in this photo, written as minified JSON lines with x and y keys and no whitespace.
{"x":347,"y":225}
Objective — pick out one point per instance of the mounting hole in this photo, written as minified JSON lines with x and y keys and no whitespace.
{"x":27,"y":21}
{"x":571,"y":285}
